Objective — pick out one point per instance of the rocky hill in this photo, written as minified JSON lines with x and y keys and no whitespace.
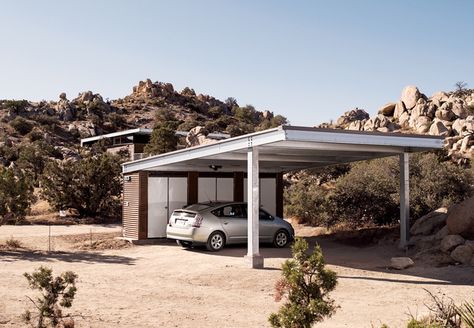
{"x":447,"y":114}
{"x":63,"y":122}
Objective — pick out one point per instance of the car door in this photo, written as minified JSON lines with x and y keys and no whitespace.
{"x":266,"y":226}
{"x":233,"y":219}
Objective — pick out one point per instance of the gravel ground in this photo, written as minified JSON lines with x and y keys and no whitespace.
{"x":164,"y":285}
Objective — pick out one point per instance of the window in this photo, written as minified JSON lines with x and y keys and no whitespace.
{"x":231,"y":211}
{"x":265,"y":216}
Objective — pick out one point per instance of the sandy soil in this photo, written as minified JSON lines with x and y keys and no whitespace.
{"x":165,"y":286}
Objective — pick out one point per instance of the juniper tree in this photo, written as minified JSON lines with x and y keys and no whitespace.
{"x":305,"y":285}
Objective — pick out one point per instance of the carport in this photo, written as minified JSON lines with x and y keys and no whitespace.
{"x":289,"y":148}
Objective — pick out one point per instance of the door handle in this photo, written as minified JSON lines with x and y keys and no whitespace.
{"x":226,"y":222}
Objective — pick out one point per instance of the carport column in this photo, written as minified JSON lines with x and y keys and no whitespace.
{"x":404,"y":200}
{"x":253,"y":257}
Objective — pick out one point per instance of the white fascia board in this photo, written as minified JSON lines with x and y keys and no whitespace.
{"x":116,"y":134}
{"x":223,"y":146}
{"x":390,"y":140}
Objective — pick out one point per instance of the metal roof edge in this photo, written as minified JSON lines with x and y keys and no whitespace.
{"x":221,"y":146}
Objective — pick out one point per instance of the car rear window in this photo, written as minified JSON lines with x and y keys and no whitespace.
{"x":197,"y":207}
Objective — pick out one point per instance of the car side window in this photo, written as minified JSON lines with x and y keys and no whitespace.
{"x":265,"y":216}
{"x":231,"y":211}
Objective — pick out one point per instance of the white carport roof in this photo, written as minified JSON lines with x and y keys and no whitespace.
{"x":288,"y":148}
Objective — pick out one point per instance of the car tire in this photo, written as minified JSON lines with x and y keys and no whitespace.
{"x":216,"y":241}
{"x":184,"y":244}
{"x":281,"y":239}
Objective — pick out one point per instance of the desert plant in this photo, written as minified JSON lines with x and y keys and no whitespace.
{"x":163,"y":139}
{"x":91,"y":185}
{"x":305,"y":284}
{"x":16,"y":195}
{"x":466,"y":312}
{"x":13,"y":243}
{"x":57,"y":293}
{"x":21,"y":125}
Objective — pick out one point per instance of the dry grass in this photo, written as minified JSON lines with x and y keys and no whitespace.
{"x":11,"y":243}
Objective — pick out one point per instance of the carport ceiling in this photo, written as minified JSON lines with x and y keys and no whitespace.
{"x":287,"y":148}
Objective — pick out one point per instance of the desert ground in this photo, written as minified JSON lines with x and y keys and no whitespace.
{"x":163,"y":285}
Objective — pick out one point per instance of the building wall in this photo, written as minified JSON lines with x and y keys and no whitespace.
{"x":136,"y":205}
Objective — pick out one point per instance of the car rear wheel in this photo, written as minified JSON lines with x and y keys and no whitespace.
{"x":184,"y":244}
{"x":281,"y":239}
{"x":216,"y":241}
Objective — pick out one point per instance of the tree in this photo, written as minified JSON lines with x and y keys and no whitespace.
{"x":91,"y":185}
{"x":16,"y":195}
{"x":306,"y":284}
{"x":163,"y":138}
{"x":56,"y":293}
{"x":460,"y":86}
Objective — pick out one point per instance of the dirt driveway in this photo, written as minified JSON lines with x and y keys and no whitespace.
{"x":166,"y":286}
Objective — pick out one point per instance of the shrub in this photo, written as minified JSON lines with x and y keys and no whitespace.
{"x":305,"y":284}
{"x":16,"y":195}
{"x":163,"y":138}
{"x":21,"y":125}
{"x":16,"y":105}
{"x":91,"y":185}
{"x":13,"y":243}
{"x":369,"y":193}
{"x":56,"y":293}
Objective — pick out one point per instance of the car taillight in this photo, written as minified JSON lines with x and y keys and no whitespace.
{"x":197,"y":221}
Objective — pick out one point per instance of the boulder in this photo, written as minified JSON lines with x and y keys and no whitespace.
{"x":404,"y":119}
{"x":438,"y":129}
{"x":470,"y":243}
{"x":450,"y":242}
{"x":444,"y":114}
{"x":387,"y":109}
{"x":62,"y":96}
{"x":356,"y":125}
{"x":400,"y":263}
{"x":459,"y":126}
{"x":430,"y":223}
{"x":399,"y":109}
{"x":422,"y":124}
{"x":410,"y":96}
{"x":461,"y":218}
{"x":458,"y":108}
{"x":440,"y":96}
{"x":443,"y":232}
{"x":462,"y":254}
{"x":352,"y":115}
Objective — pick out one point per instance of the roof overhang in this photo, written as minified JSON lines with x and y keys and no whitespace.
{"x":288,"y":148}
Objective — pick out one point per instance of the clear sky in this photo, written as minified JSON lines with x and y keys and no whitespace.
{"x":307,"y":60}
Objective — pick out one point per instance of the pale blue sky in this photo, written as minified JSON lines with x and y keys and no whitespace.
{"x":307,"y":60}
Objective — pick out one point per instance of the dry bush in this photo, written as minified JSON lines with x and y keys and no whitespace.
{"x":13,"y":243}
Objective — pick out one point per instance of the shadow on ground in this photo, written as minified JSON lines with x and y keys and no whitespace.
{"x":71,"y":257}
{"x":366,"y":258}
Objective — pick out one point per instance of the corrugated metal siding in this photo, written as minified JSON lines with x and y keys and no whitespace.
{"x":135,"y":205}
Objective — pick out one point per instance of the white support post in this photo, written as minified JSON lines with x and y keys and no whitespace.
{"x":404,"y":201}
{"x":253,"y":257}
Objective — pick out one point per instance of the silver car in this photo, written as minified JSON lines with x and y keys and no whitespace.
{"x":218,"y":224}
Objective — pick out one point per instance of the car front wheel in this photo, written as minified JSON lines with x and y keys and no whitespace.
{"x":281,"y":239}
{"x":216,"y":241}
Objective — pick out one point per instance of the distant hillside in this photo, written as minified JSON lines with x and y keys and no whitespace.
{"x":60,"y":124}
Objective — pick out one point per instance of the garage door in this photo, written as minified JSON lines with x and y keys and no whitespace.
{"x":164,"y":196}
{"x":215,"y":189}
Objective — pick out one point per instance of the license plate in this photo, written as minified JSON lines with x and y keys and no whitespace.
{"x":180,"y":222}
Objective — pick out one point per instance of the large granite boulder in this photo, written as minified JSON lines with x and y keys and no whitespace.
{"x":461,"y":218}
{"x":410,"y":96}
{"x":430,"y":223}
